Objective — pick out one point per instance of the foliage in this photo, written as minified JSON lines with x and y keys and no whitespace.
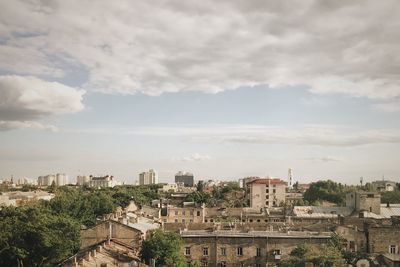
{"x":164,"y":248}
{"x":326,"y":191}
{"x":85,"y":207}
{"x":33,"y":236}
{"x":390,"y":197}
{"x":199,"y":197}
{"x":325,"y":256}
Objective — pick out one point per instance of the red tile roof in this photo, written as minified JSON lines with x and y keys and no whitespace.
{"x":274,"y":181}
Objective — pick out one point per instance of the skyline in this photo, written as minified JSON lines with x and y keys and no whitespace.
{"x":224,"y":90}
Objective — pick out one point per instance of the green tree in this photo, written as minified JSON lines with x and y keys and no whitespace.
{"x":33,"y":236}
{"x":164,"y":248}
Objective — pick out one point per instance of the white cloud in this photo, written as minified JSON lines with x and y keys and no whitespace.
{"x":24,"y":100}
{"x":12,"y":125}
{"x":323,"y":159}
{"x":193,"y":157}
{"x":322,"y":135}
{"x":32,"y":97}
{"x":154,"y":47}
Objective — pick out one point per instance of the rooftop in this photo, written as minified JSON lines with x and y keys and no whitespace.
{"x":274,"y":181}
{"x":230,"y":233}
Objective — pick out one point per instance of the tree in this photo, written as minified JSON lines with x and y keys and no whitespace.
{"x":33,"y":236}
{"x":164,"y":248}
{"x":326,"y":256}
{"x":326,"y":191}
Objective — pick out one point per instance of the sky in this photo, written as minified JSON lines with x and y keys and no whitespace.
{"x":223,"y":89}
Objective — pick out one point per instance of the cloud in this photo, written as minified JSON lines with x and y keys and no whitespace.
{"x":322,"y":135}
{"x":25,"y":99}
{"x":390,"y":107}
{"x":323,"y":159}
{"x":193,"y":157}
{"x":12,"y":125}
{"x":154,"y":47}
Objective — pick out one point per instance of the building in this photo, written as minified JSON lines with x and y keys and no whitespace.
{"x":83,"y":180}
{"x":252,"y":248}
{"x":149,"y":177}
{"x":186,"y":178}
{"x":102,"y":181}
{"x":18,"y":198}
{"x":58,"y":179}
{"x":172,"y":214}
{"x":383,"y":186}
{"x":266,"y":193}
{"x":364,"y":201}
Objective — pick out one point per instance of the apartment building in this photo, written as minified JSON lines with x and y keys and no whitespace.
{"x":149,"y":177}
{"x":266,"y":193}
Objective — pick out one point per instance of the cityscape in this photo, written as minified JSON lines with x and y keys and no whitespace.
{"x":231,"y":133}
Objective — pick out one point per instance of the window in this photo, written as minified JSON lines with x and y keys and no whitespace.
{"x":198,"y":213}
{"x":392,"y":249}
{"x":191,"y":220}
{"x":258,"y":264}
{"x":187,"y":251}
{"x":189,"y":264}
{"x":274,"y":191}
{"x":223,"y":251}
{"x":204,"y":263}
{"x":267,"y":191}
{"x":191,"y":212}
{"x":205,"y":251}
{"x":239,"y":251}
{"x":267,"y":203}
{"x":176,"y":212}
{"x":183,"y":213}
{"x":222,"y":264}
{"x":277,"y":252}
{"x":183,"y":221}
{"x":258,"y":252}
{"x":176,"y":220}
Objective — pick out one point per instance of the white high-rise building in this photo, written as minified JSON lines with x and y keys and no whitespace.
{"x":59,"y":179}
{"x":149,"y":177}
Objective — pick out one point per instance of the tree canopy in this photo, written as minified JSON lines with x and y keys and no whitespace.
{"x":163,"y":247}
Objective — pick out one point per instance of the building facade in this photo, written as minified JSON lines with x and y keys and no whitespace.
{"x":266,"y":193}
{"x":149,"y":177}
{"x":102,"y":181}
{"x":233,"y":249}
{"x":364,"y":201}
{"x":186,"y":178}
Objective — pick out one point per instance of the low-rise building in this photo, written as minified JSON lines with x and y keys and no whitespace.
{"x":102,"y":181}
{"x":383,"y":186}
{"x":252,"y":248}
{"x":364,"y":201}
{"x":18,"y":198}
{"x":173,"y":214}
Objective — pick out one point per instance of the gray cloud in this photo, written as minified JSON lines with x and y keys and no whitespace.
{"x":152,"y":47}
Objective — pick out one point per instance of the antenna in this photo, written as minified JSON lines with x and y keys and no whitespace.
{"x":290,"y":177}
{"x":361,"y":181}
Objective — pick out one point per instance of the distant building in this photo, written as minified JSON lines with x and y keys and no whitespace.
{"x":383,"y":186}
{"x":18,"y":198}
{"x":83,"y":180}
{"x":59,"y":179}
{"x":186,"y":178}
{"x":149,"y":177}
{"x":266,"y":193}
{"x":102,"y":181}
